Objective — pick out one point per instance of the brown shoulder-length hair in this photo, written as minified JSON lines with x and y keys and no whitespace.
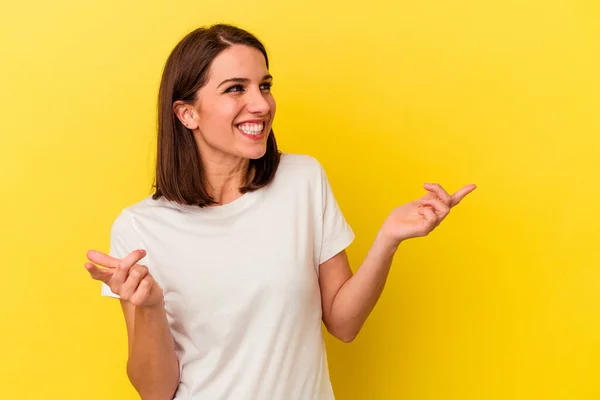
{"x":179,"y":171}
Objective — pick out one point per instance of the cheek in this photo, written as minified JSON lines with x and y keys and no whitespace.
{"x":222,"y":114}
{"x":272,"y":104}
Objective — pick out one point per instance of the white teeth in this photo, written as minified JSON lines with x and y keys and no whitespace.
{"x":252,"y":129}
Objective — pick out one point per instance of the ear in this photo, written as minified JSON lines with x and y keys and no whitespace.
{"x":186,"y":114}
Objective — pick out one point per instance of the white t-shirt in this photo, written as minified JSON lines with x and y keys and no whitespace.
{"x":241,"y":286}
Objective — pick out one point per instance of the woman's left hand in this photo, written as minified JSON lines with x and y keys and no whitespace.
{"x":420,"y":217}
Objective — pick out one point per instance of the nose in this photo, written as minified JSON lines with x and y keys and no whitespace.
{"x":257,"y":102}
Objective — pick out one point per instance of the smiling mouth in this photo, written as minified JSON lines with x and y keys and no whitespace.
{"x":252,"y":129}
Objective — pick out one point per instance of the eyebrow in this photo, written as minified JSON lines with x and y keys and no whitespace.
{"x":242,"y":80}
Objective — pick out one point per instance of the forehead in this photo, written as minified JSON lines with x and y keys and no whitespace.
{"x":237,"y":61}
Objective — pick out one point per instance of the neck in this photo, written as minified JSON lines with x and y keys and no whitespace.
{"x":225,"y":177}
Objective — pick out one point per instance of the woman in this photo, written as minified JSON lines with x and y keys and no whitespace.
{"x":243,"y":247}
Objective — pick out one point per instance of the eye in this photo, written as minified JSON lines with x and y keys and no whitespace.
{"x":234,"y":88}
{"x":266,"y":86}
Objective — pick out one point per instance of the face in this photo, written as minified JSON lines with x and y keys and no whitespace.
{"x":234,"y":111}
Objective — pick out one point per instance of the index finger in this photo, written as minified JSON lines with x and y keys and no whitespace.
{"x":97,"y":257}
{"x":440,"y":192}
{"x":461,"y":193}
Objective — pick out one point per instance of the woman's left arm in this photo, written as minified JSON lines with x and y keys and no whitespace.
{"x":348,"y":299}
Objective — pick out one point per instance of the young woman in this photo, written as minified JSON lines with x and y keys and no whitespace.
{"x":243,"y":247}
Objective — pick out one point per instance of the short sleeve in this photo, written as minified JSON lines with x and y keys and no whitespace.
{"x":337,"y":233}
{"x":122,"y":242}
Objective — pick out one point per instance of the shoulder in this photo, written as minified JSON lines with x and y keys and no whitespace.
{"x":300,"y":167}
{"x":124,"y":223}
{"x":299,"y":176}
{"x":298,"y":159}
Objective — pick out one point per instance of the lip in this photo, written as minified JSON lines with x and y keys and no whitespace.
{"x":258,"y":137}
{"x":253,"y":121}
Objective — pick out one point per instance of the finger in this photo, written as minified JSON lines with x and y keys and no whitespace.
{"x":99,"y":274}
{"x":429,"y":215}
{"x":97,"y":257}
{"x":135,"y":276}
{"x":440,"y":208}
{"x":461,"y":193}
{"x":142,"y":291}
{"x":439,"y":191}
{"x":125,"y":264}
{"x":134,"y":257}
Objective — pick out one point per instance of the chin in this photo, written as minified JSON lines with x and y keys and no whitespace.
{"x":256,"y":152}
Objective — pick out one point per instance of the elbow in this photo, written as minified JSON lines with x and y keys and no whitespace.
{"x":166,"y":392}
{"x":347,"y":338}
{"x":157,"y":396}
{"x":154,"y":386}
{"x":344,"y":334}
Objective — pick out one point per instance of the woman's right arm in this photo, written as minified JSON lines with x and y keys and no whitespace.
{"x":152,"y":365}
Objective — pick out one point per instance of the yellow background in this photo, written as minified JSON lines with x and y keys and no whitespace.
{"x":501,"y":302}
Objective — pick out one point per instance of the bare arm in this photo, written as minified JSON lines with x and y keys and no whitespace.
{"x":347,"y":299}
{"x":152,"y":365}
